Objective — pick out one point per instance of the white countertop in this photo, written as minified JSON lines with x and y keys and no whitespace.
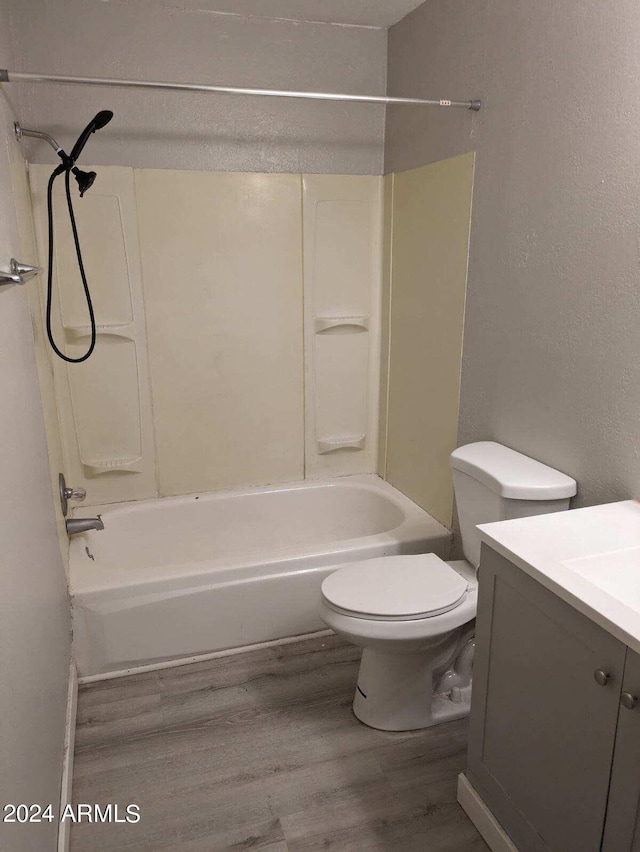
{"x":589,"y":557}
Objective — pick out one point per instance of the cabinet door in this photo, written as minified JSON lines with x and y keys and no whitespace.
{"x":542,"y":730}
{"x":622,"y":829}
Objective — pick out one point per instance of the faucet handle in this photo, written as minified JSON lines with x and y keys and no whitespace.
{"x":78,"y":494}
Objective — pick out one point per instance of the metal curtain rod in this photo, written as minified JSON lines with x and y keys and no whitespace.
{"x":18,"y":76}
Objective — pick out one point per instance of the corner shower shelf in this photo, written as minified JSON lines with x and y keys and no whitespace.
{"x":354,"y":324}
{"x":330,"y":445}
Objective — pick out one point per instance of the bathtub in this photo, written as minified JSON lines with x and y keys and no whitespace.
{"x":184,"y":576}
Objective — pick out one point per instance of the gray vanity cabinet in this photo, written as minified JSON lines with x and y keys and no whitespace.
{"x":542,"y":728}
{"x":622,"y":828}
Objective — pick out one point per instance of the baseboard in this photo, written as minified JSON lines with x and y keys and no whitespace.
{"x":201,"y":658}
{"x":64,"y":830}
{"x":493,"y":833}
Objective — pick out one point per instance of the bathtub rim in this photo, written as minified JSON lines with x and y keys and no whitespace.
{"x":362,"y":481}
{"x":85,"y":580}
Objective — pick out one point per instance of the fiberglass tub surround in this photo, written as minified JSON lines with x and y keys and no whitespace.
{"x":188,"y":575}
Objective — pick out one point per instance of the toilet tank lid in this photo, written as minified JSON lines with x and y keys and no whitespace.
{"x":511,"y":474}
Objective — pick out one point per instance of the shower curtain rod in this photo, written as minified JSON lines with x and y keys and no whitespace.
{"x":20,"y":77}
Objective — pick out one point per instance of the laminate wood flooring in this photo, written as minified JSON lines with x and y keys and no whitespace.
{"x":261,"y":750}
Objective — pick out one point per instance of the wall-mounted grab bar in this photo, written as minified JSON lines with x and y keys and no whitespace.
{"x":19,"y":273}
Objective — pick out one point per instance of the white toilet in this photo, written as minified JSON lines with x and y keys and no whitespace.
{"x":414,"y":615}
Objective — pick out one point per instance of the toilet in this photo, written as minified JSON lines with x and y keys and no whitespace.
{"x":414,"y":615}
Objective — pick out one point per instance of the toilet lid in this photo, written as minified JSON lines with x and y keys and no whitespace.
{"x":396,"y":588}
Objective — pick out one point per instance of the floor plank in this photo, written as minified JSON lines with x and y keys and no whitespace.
{"x":261,"y":750}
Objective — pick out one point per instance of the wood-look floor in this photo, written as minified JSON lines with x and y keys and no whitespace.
{"x":261,"y":751}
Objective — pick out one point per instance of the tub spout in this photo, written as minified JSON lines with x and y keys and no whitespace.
{"x":80,"y":525}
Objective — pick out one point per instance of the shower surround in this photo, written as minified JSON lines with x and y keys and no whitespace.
{"x":238,"y":325}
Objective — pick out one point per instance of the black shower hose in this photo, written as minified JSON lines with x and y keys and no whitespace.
{"x":76,"y":240}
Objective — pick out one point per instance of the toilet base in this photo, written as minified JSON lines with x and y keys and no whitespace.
{"x":395,"y":693}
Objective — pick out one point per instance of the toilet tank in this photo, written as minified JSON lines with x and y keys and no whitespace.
{"x":494,"y":483}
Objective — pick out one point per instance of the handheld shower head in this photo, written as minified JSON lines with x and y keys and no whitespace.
{"x":85,"y":179}
{"x":102,"y":118}
{"x":96,"y":123}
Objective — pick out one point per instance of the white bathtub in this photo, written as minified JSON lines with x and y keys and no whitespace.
{"x":183,"y":576}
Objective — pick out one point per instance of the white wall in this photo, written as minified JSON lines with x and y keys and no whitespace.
{"x":34,"y":617}
{"x":144,"y":40}
{"x":551,"y":362}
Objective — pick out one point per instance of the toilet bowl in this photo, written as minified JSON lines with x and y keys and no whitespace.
{"x":414,"y":615}
{"x":410,"y":639}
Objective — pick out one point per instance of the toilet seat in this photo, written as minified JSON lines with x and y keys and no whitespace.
{"x":395,"y":588}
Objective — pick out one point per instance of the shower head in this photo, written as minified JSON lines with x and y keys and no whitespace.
{"x":97,"y":122}
{"x":85,"y":179}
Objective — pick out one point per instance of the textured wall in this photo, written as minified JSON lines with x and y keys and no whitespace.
{"x":551,"y":361}
{"x":197,"y":131}
{"x":34,"y":616}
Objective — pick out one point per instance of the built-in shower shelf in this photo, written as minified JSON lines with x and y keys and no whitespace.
{"x":95,"y":468}
{"x":78,"y":331}
{"x":330,"y":445}
{"x":328,"y":324}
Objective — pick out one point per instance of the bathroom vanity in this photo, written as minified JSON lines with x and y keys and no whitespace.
{"x":554,"y":749}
